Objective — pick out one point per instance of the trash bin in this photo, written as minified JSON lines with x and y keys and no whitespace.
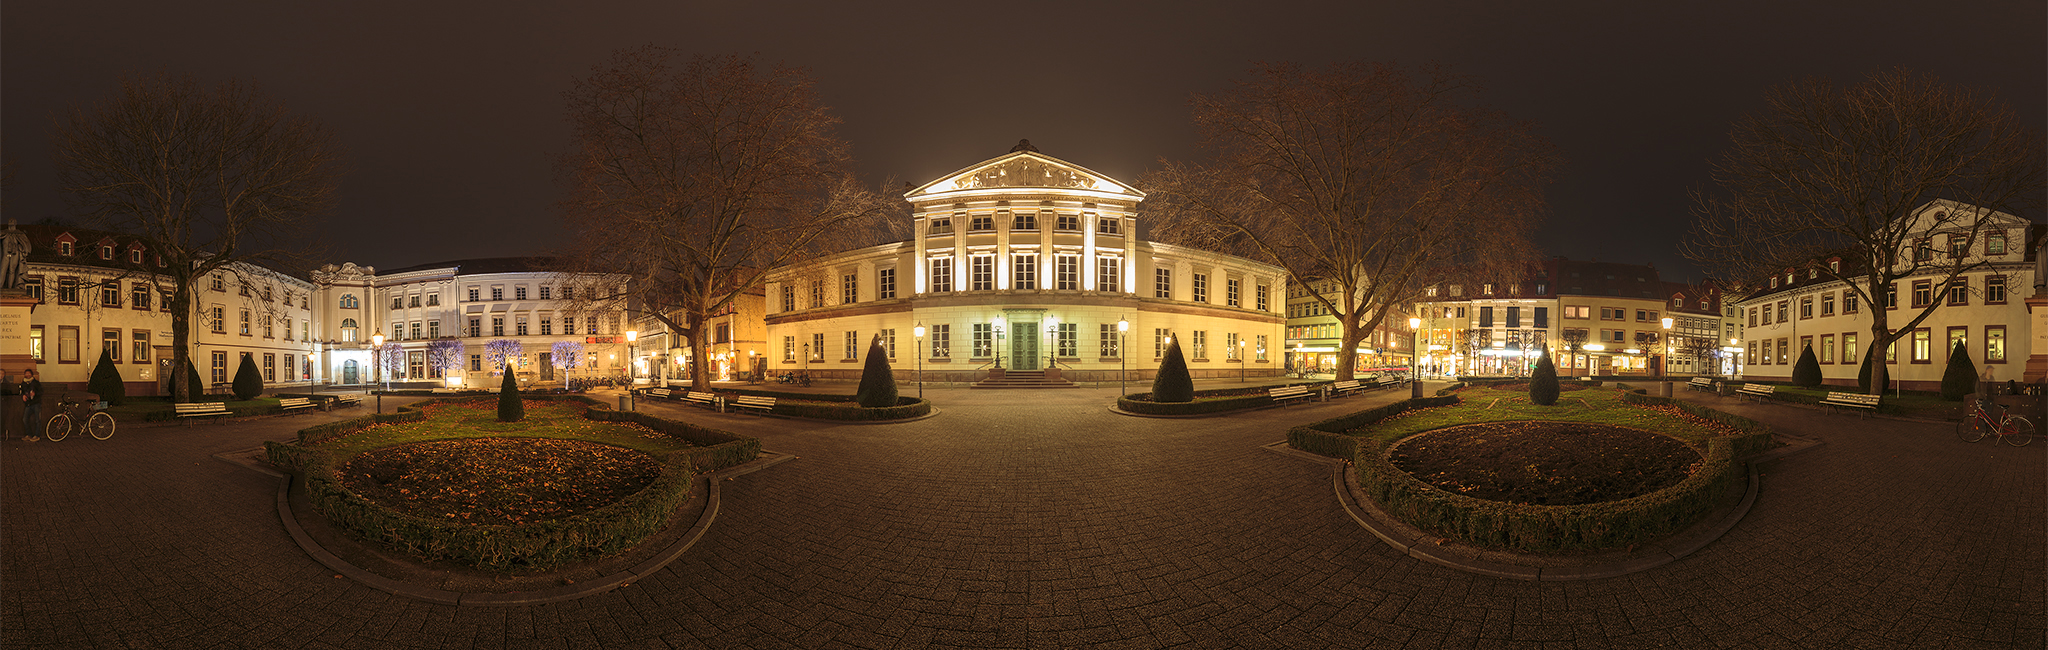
{"x":626,"y":401}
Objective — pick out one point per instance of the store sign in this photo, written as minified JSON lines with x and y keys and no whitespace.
{"x":595,"y":340}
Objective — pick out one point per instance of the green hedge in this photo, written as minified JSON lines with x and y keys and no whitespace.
{"x":1495,"y":524}
{"x":537,"y":545}
{"x":1233,"y":399}
{"x":534,"y":546}
{"x":842,"y":407}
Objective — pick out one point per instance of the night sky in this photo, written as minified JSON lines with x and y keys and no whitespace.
{"x":451,"y":114}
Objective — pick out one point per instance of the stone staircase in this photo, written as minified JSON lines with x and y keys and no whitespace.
{"x":1003,"y":378}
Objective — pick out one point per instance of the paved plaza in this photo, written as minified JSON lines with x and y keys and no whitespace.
{"x":1039,"y":519}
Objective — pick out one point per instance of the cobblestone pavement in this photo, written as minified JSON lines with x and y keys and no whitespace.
{"x":1037,"y":519}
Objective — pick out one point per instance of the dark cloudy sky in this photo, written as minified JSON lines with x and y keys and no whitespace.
{"x":451,"y":112}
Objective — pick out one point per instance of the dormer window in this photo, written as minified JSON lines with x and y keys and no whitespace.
{"x":135,"y":256}
{"x":106,"y":252}
{"x":1774,"y":282}
{"x":64,"y":248}
{"x":1812,"y":273}
{"x":1835,"y":266}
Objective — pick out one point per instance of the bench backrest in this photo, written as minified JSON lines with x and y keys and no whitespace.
{"x":1701,"y":381}
{"x":293,"y":401}
{"x":1767,"y":388}
{"x":1349,"y":383}
{"x":200,"y":406}
{"x":703,"y":396}
{"x":1858,"y":398}
{"x":1285,"y":391}
{"x":752,"y":400}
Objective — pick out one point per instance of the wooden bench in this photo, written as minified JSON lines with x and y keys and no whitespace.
{"x":1700,"y":383}
{"x":766,"y":404}
{"x":290,"y":404}
{"x":708,"y":400}
{"x":1863,"y":404}
{"x":202,"y":409}
{"x":345,"y":400}
{"x":658,"y":392}
{"x":1759,"y":391}
{"x":1284,"y":393}
{"x":1341,"y":387}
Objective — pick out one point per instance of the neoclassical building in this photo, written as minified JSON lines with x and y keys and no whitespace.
{"x":463,"y":306}
{"x":1021,"y":263}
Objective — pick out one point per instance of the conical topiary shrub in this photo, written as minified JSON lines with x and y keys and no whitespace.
{"x":106,"y":380}
{"x":1807,"y":371}
{"x":1961,"y":377}
{"x":194,"y":388}
{"x":510,"y":409}
{"x":1863,"y":374}
{"x":1173,"y":384}
{"x":1543,"y":387}
{"x":247,"y":384}
{"x":877,"y":382}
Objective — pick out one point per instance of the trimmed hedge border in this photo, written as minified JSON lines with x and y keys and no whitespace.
{"x":534,"y":546}
{"x":905,"y":408}
{"x":1243,"y":398}
{"x":1521,"y":527}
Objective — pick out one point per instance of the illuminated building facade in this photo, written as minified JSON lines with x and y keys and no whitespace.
{"x":1021,"y":263}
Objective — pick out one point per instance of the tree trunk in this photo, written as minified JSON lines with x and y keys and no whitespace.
{"x":1879,"y":374}
{"x":1347,"y":352}
{"x":181,"y":340}
{"x":700,"y":368}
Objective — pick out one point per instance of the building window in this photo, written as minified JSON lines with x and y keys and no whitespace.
{"x":885,"y":284}
{"x":817,"y":346}
{"x":1023,"y":271}
{"x":1514,"y":316}
{"x":1261,"y":349}
{"x":788,"y":298}
{"x":1959,"y":292}
{"x":1108,"y":226}
{"x":1827,"y":304}
{"x":982,"y":223}
{"x":547,"y":325}
{"x":1486,"y":317}
{"x":110,"y":341}
{"x":1106,"y":337}
{"x":518,"y":326}
{"x":1162,"y":283}
{"x":1263,"y":295}
{"x":1784,"y":354}
{"x":269,"y":367}
{"x":1994,"y":344}
{"x":138,"y":351}
{"x":942,"y":274}
{"x":940,"y":226}
{"x":849,"y":288}
{"x":1233,"y":292}
{"x":1994,"y":290}
{"x":984,"y":341}
{"x":1109,"y":274}
{"x":220,"y":367}
{"x":1957,"y":335}
{"x":981,"y":273}
{"x":434,"y":328}
{"x":473,"y":294}
{"x":1025,"y":221}
{"x":1230,"y":346}
{"x":722,"y":334}
{"x":1994,"y":242}
{"x":1805,"y":307}
{"x":1201,"y":288}
{"x":245,"y":322}
{"x":476,"y":326}
{"x":546,"y":293}
{"x":1542,"y":317}
{"x":1922,"y":344}
{"x":889,"y":342}
{"x":1784,"y":311}
{"x":110,"y":295}
{"x":789,"y":348}
{"x":67,"y":291}
{"x":34,"y":286}
{"x":1069,"y":339}
{"x":817,"y":294}
{"x":1827,"y":349}
{"x":1066,"y":272}
{"x":497,"y":326}
{"x":1922,"y":293}
{"x":1199,"y":344}
{"x":267,"y":325}
{"x":497,"y":293}
{"x":852,"y":345}
{"x":1068,"y":222}
{"x":942,"y":341}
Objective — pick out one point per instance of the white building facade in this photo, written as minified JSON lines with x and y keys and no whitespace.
{"x":1025,"y":262}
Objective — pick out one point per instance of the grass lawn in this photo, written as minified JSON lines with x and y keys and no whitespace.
{"x":479,"y":419}
{"x":136,"y":408}
{"x":1911,"y":403}
{"x":1599,"y":406}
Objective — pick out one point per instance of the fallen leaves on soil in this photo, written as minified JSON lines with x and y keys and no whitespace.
{"x":1546,"y":463}
{"x":499,"y":480}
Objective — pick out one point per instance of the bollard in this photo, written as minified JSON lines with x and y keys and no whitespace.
{"x":626,"y":402}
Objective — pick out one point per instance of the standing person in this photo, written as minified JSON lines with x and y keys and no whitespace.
{"x":32,"y":404}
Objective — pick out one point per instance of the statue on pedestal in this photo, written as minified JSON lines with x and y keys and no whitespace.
{"x":14,"y":243}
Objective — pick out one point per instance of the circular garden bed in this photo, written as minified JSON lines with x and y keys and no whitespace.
{"x":502,"y":481}
{"x":1545,"y":463}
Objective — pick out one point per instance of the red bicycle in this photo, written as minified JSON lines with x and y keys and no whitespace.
{"x":1977,"y":422}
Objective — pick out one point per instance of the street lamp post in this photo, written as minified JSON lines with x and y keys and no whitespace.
{"x":632,"y":358}
{"x":1123,"y":365}
{"x":1240,"y":361}
{"x":919,"y":333}
{"x":998,"y":326}
{"x":1052,"y":330}
{"x":1664,"y":365}
{"x":377,"y":366}
{"x":1415,"y":358}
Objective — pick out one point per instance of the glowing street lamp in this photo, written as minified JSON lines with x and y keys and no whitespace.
{"x":1122,"y":363}
{"x":632,"y":355}
{"x":919,"y":333}
{"x":1663,"y":367}
{"x":377,"y":365}
{"x":1240,"y":361}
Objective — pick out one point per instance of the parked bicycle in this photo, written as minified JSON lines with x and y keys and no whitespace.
{"x":1977,"y":422}
{"x":89,"y":417}
{"x":796,"y":378}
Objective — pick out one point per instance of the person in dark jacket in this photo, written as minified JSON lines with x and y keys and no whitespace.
{"x":32,"y":404}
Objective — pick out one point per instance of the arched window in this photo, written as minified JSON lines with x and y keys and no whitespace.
{"x":348,"y":330}
{"x":348,"y":301}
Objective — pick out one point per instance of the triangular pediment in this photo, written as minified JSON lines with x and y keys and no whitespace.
{"x":1026,"y":171}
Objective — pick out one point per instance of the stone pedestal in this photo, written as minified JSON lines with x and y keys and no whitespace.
{"x":15,"y":307}
{"x":2037,"y":340}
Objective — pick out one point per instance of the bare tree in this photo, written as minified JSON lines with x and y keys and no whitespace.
{"x":1363,"y":175}
{"x":1702,"y":350}
{"x":1854,"y":175}
{"x":694,"y":179}
{"x":209,"y":177}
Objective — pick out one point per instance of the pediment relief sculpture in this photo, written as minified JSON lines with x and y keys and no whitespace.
{"x":1024,"y":173}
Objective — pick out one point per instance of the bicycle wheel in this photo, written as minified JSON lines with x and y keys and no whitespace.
{"x":58,"y":427}
{"x":1971,"y":429}
{"x":100,"y":425}
{"x":2017,"y":431}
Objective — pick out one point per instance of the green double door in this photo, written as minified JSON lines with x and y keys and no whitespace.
{"x":1024,"y":346}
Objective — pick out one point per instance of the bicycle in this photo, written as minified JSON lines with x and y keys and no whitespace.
{"x":2014,"y":430}
{"x":74,"y":413}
